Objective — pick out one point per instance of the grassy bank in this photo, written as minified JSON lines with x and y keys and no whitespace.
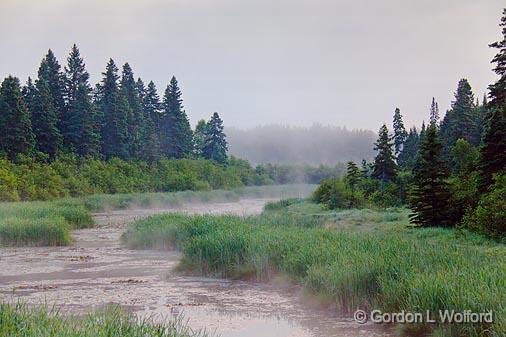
{"x":372,"y":261}
{"x":48,"y":223}
{"x":41,"y":223}
{"x":19,"y":320}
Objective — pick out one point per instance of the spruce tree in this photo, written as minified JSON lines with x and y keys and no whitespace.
{"x":407,"y":157}
{"x":45,"y":121}
{"x":50,"y":72}
{"x":199,"y":138}
{"x":176,"y":134}
{"x":493,"y":151}
{"x":135,"y":115}
{"x":80,"y":123}
{"x":434,"y":112}
{"x":430,"y":195}
{"x":114,"y":110}
{"x":459,"y":121}
{"x":353,"y":175}
{"x":16,"y":136}
{"x":151,"y":113}
{"x":399,"y":132}
{"x":215,"y":147}
{"x":385,"y":168}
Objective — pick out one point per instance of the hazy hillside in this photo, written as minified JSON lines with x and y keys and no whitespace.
{"x":314,"y":145}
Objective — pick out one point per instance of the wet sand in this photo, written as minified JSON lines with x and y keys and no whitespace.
{"x":96,"y":271}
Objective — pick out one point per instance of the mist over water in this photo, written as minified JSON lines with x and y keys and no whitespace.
{"x":314,"y":145}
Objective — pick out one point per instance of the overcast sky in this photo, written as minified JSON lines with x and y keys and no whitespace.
{"x":346,"y":63}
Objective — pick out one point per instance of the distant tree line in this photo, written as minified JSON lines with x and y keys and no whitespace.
{"x":450,"y":172}
{"x":314,"y":145}
{"x":60,"y":113}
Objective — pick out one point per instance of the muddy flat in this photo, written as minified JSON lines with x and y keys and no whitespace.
{"x":96,"y":271}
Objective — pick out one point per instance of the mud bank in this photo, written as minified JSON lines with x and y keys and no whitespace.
{"x":96,"y":270}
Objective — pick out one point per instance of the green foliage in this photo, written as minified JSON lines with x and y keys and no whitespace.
{"x":407,"y":157}
{"x":28,"y":179}
{"x":385,"y":167}
{"x":114,"y":108}
{"x":177,"y":137}
{"x":391,"y":270}
{"x":336,"y":194}
{"x":430,"y":194}
{"x":21,"y":320}
{"x":400,"y":133}
{"x":16,"y":134}
{"x":41,"y":223}
{"x":215,"y":142}
{"x":490,"y":214}
{"x":459,"y":121}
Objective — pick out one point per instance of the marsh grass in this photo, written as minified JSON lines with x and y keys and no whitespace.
{"x":41,"y":223}
{"x":20,"y":320}
{"x":48,"y":223}
{"x":382,"y":265}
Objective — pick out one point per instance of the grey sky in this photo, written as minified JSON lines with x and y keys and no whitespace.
{"x":265,"y":61}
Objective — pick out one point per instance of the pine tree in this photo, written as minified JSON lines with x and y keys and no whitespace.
{"x":151,"y":113}
{"x":365,"y":169}
{"x":399,"y":132}
{"x":50,"y":72}
{"x":434,"y":112}
{"x":114,"y":111}
{"x":215,"y":147}
{"x":353,"y":175}
{"x":135,"y":115}
{"x":493,"y":151}
{"x":45,"y":121}
{"x":16,"y":136}
{"x":176,"y":134}
{"x":407,"y":157}
{"x":385,"y":168}
{"x":430,"y":195}
{"x":80,"y":124}
{"x":199,"y":138}
{"x":458,"y":122}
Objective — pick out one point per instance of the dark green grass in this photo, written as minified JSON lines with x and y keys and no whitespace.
{"x":41,"y":223}
{"x":48,"y":223}
{"x":22,"y":321}
{"x":380,"y":264}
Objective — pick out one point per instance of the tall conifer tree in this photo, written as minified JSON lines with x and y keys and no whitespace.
{"x":114,"y":109}
{"x":493,"y":151}
{"x":45,"y":121}
{"x":50,"y":72}
{"x":385,"y":168}
{"x":151,"y":112}
{"x":176,"y":134}
{"x":80,"y":123}
{"x":434,"y":112}
{"x":215,"y":146}
{"x":430,"y":195}
{"x":135,"y":114}
{"x":16,"y":136}
{"x":399,"y":132}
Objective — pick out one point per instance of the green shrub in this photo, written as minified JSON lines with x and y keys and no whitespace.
{"x":490,"y":214}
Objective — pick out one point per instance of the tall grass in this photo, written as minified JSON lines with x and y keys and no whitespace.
{"x":389,"y":269}
{"x":48,"y":223}
{"x":41,"y":223}
{"x":19,"y":320}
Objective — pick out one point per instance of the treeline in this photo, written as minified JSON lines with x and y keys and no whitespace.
{"x":60,"y":113}
{"x":450,"y":172}
{"x":313,"y":145}
{"x":73,"y":176}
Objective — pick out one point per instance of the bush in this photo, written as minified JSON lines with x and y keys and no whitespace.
{"x":335,"y":194}
{"x":490,"y":214}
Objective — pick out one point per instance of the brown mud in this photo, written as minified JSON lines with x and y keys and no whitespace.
{"x":96,"y":271}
